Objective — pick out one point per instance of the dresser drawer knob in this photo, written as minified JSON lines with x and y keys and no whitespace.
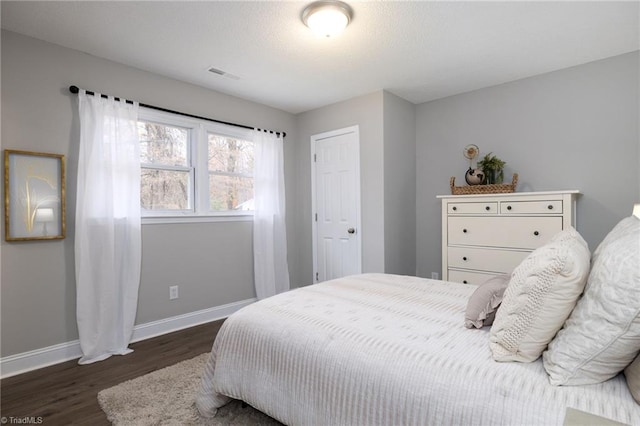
{"x":536,"y":233}
{"x":550,"y":207}
{"x":454,"y":208}
{"x":464,"y":230}
{"x":508,"y":207}
{"x":464,"y":258}
{"x":487,"y":208}
{"x":465,"y":282}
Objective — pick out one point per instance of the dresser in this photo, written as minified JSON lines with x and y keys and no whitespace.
{"x":488,"y":234}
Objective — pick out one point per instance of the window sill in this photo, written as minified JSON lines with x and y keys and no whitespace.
{"x":160,"y":220}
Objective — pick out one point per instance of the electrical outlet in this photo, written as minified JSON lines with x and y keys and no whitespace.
{"x":435,"y":276}
{"x":173,"y":292}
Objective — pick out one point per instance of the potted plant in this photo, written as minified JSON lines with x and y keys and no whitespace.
{"x":493,"y":169}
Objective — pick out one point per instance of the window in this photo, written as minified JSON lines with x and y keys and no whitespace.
{"x":230,"y":166}
{"x":167,"y":177}
{"x":193,"y":168}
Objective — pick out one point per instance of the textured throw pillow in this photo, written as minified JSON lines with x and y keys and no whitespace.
{"x":483,"y":303}
{"x":602,"y":335}
{"x":632,"y":374}
{"x":542,"y":293}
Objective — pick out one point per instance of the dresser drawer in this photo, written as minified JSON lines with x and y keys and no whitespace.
{"x":467,"y":277}
{"x":472,"y":208}
{"x":531,"y":207}
{"x":510,"y":232}
{"x":503,"y":261}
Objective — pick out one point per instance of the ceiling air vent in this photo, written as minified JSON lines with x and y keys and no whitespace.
{"x":223,"y":73}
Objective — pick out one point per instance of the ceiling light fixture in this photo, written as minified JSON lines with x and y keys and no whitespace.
{"x":327,"y":18}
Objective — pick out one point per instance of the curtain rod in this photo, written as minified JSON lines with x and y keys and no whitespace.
{"x":75,"y":89}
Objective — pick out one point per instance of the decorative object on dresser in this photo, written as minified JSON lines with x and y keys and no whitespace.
{"x":470,"y":152}
{"x":493,"y":169}
{"x":488,"y":234}
{"x":483,"y":189}
{"x":472,"y":176}
{"x":486,"y":178}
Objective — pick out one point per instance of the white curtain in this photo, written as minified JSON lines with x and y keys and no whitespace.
{"x":269,"y":233}
{"x":107,"y":231}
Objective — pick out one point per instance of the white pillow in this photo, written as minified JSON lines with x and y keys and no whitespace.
{"x":622,"y":228}
{"x":602,"y":335}
{"x":632,"y":374}
{"x":542,"y":293}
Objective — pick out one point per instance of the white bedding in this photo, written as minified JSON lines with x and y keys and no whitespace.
{"x":381,"y":349}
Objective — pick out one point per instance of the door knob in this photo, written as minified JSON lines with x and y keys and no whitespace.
{"x":351,"y":230}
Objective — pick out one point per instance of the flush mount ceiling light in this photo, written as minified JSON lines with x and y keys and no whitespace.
{"x":327,"y":18}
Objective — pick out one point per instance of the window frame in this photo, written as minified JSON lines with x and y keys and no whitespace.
{"x":197,"y":149}
{"x":161,"y":119}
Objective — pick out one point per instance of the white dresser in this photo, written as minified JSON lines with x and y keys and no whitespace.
{"x":485,"y":235}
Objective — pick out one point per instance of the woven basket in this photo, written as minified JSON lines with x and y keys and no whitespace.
{"x":483,"y":189}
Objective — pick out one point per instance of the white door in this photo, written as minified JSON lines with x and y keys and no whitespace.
{"x":335,"y":175}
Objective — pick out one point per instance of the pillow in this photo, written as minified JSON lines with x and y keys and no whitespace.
{"x":602,"y":335}
{"x":624,"y":227}
{"x":632,"y":374}
{"x":483,"y":303}
{"x":542,"y":293}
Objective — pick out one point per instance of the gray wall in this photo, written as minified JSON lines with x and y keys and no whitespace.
{"x":39,"y":114}
{"x":571,"y":129}
{"x":575,"y":128}
{"x":399,"y":185}
{"x":387,"y":180}
{"x":174,"y":254}
{"x":366,"y":112}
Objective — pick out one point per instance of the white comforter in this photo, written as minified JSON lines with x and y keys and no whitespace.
{"x":380,"y":349}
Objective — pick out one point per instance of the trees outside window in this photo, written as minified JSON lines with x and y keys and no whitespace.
{"x":166,"y":169}
{"x":190,"y":168}
{"x":230,"y":164}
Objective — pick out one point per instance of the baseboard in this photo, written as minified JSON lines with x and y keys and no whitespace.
{"x":23,"y":362}
{"x":27,"y":361}
{"x":180,"y":322}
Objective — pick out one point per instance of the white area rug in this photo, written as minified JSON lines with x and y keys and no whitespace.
{"x":166,"y":397}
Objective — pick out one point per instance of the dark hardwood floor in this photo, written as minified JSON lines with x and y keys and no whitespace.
{"x":66,"y":393}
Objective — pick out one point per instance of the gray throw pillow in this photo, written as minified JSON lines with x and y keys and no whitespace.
{"x":484,"y":302}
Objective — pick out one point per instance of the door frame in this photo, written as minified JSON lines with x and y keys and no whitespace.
{"x":358,"y":225}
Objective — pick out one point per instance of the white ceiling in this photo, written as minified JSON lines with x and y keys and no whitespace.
{"x":419,"y":50}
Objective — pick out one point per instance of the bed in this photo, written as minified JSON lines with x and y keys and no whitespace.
{"x":378,"y":349}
